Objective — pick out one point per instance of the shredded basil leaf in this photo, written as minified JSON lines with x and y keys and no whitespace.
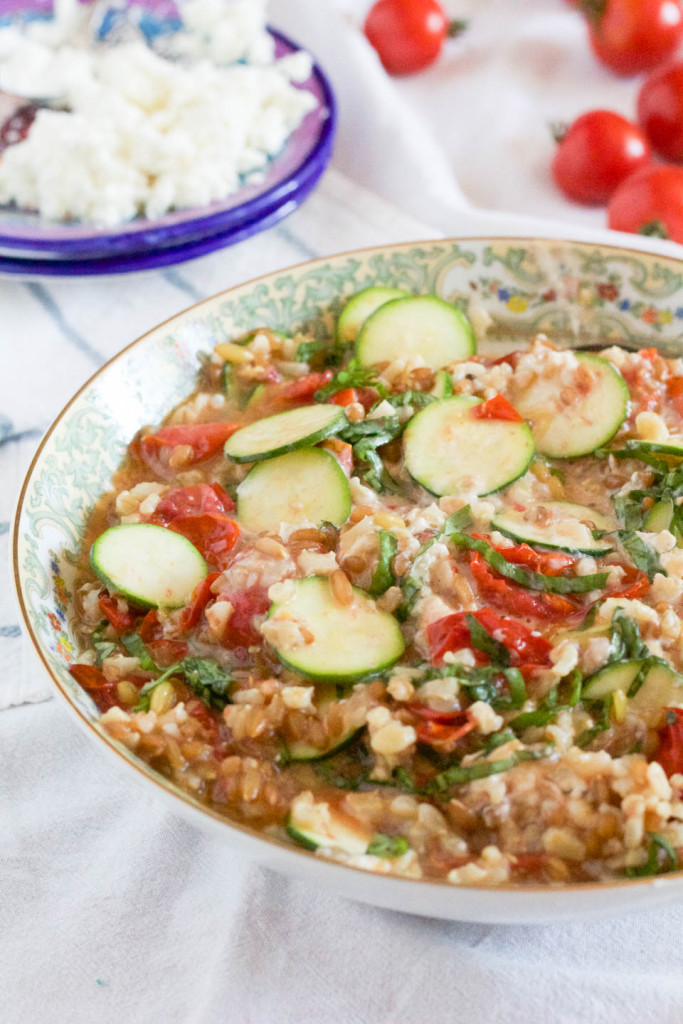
{"x":498,"y":739}
{"x":352,"y":376}
{"x":387,"y":846}
{"x":208,"y":680}
{"x":103,"y":648}
{"x":306,"y":350}
{"x":527,"y":578}
{"x":642,"y":555}
{"x":482,"y":640}
{"x":136,"y":648}
{"x":655,"y":864}
{"x":586,"y":737}
{"x":383,"y":577}
{"x":366,"y":437}
{"x":458,"y":775}
{"x":205,"y":678}
{"x":626,"y":643}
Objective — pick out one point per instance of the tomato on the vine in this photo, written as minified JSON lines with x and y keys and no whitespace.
{"x":598,"y":151}
{"x":660,"y":111}
{"x":408,"y":34}
{"x":632,"y":36}
{"x":650,"y":202}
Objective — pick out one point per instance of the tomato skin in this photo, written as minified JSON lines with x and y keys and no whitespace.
{"x":122,"y":621}
{"x":660,"y":111}
{"x":632,"y":36}
{"x":407,"y":34}
{"x":444,"y":736}
{"x":599,"y":151}
{"x":193,"y":500}
{"x":650,"y":202}
{"x":670,"y":750}
{"x":213,"y":535}
{"x":496,"y":408}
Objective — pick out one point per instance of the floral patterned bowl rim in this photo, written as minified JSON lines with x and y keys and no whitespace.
{"x":576,"y":290}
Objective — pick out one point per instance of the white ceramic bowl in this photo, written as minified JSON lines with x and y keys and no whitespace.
{"x":581,"y":294}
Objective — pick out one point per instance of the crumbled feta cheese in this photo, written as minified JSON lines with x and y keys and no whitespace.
{"x":486,"y":718}
{"x":298,"y":698}
{"x":388,"y":736}
{"x":142,"y":135}
{"x":651,"y":427}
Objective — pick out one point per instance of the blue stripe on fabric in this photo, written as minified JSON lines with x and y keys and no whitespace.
{"x":21,"y":435}
{"x":177,"y":280}
{"x":4,"y":528}
{"x":40,"y":292}
{"x":9,"y":631}
{"x":287,"y":235}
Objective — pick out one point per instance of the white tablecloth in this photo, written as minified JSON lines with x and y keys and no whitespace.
{"x":114,"y":910}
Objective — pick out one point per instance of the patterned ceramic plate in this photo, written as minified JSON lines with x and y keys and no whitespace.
{"x":306,"y":153}
{"x":580,"y":294}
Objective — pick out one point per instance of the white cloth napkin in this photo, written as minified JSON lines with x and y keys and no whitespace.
{"x":114,"y":910}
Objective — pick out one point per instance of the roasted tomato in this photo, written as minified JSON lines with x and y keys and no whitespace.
{"x":670,"y":749}
{"x":204,"y":440}
{"x":212,"y":534}
{"x":192,"y":501}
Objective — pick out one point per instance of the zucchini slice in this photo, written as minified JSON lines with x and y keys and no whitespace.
{"x":315,"y":825}
{"x":284,"y":432}
{"x":661,"y":686}
{"x":660,"y":516}
{"x":304,"y":486}
{"x":557,"y":525}
{"x":349,"y":641}
{"x":422,"y":325}
{"x":443,"y":384}
{"x":590,"y":421}
{"x":148,"y":564}
{"x":362,"y":305}
{"x":299,"y":750}
{"x":618,"y":676}
{"x":450,"y":451}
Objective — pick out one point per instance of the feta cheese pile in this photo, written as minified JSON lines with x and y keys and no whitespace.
{"x":143,"y":134}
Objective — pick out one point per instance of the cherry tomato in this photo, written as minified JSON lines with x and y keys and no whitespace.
{"x":192,"y":501}
{"x":452,"y":633}
{"x":407,"y":34}
{"x":94,"y":682}
{"x":163,"y":650}
{"x":241,"y":631}
{"x":660,"y":111}
{"x":201,"y":595}
{"x":303,"y":389}
{"x":121,"y":620}
{"x":632,"y":36}
{"x":213,"y":535}
{"x":496,"y":408}
{"x":205,"y":440}
{"x":650,"y":202}
{"x":599,"y":151}
{"x":670,"y":749}
{"x":442,"y":736}
{"x":346,"y":397}
{"x":550,"y":563}
{"x":633,"y":584}
{"x":513,"y":598}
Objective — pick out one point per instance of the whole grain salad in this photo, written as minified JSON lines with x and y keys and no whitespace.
{"x":413,"y":608}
